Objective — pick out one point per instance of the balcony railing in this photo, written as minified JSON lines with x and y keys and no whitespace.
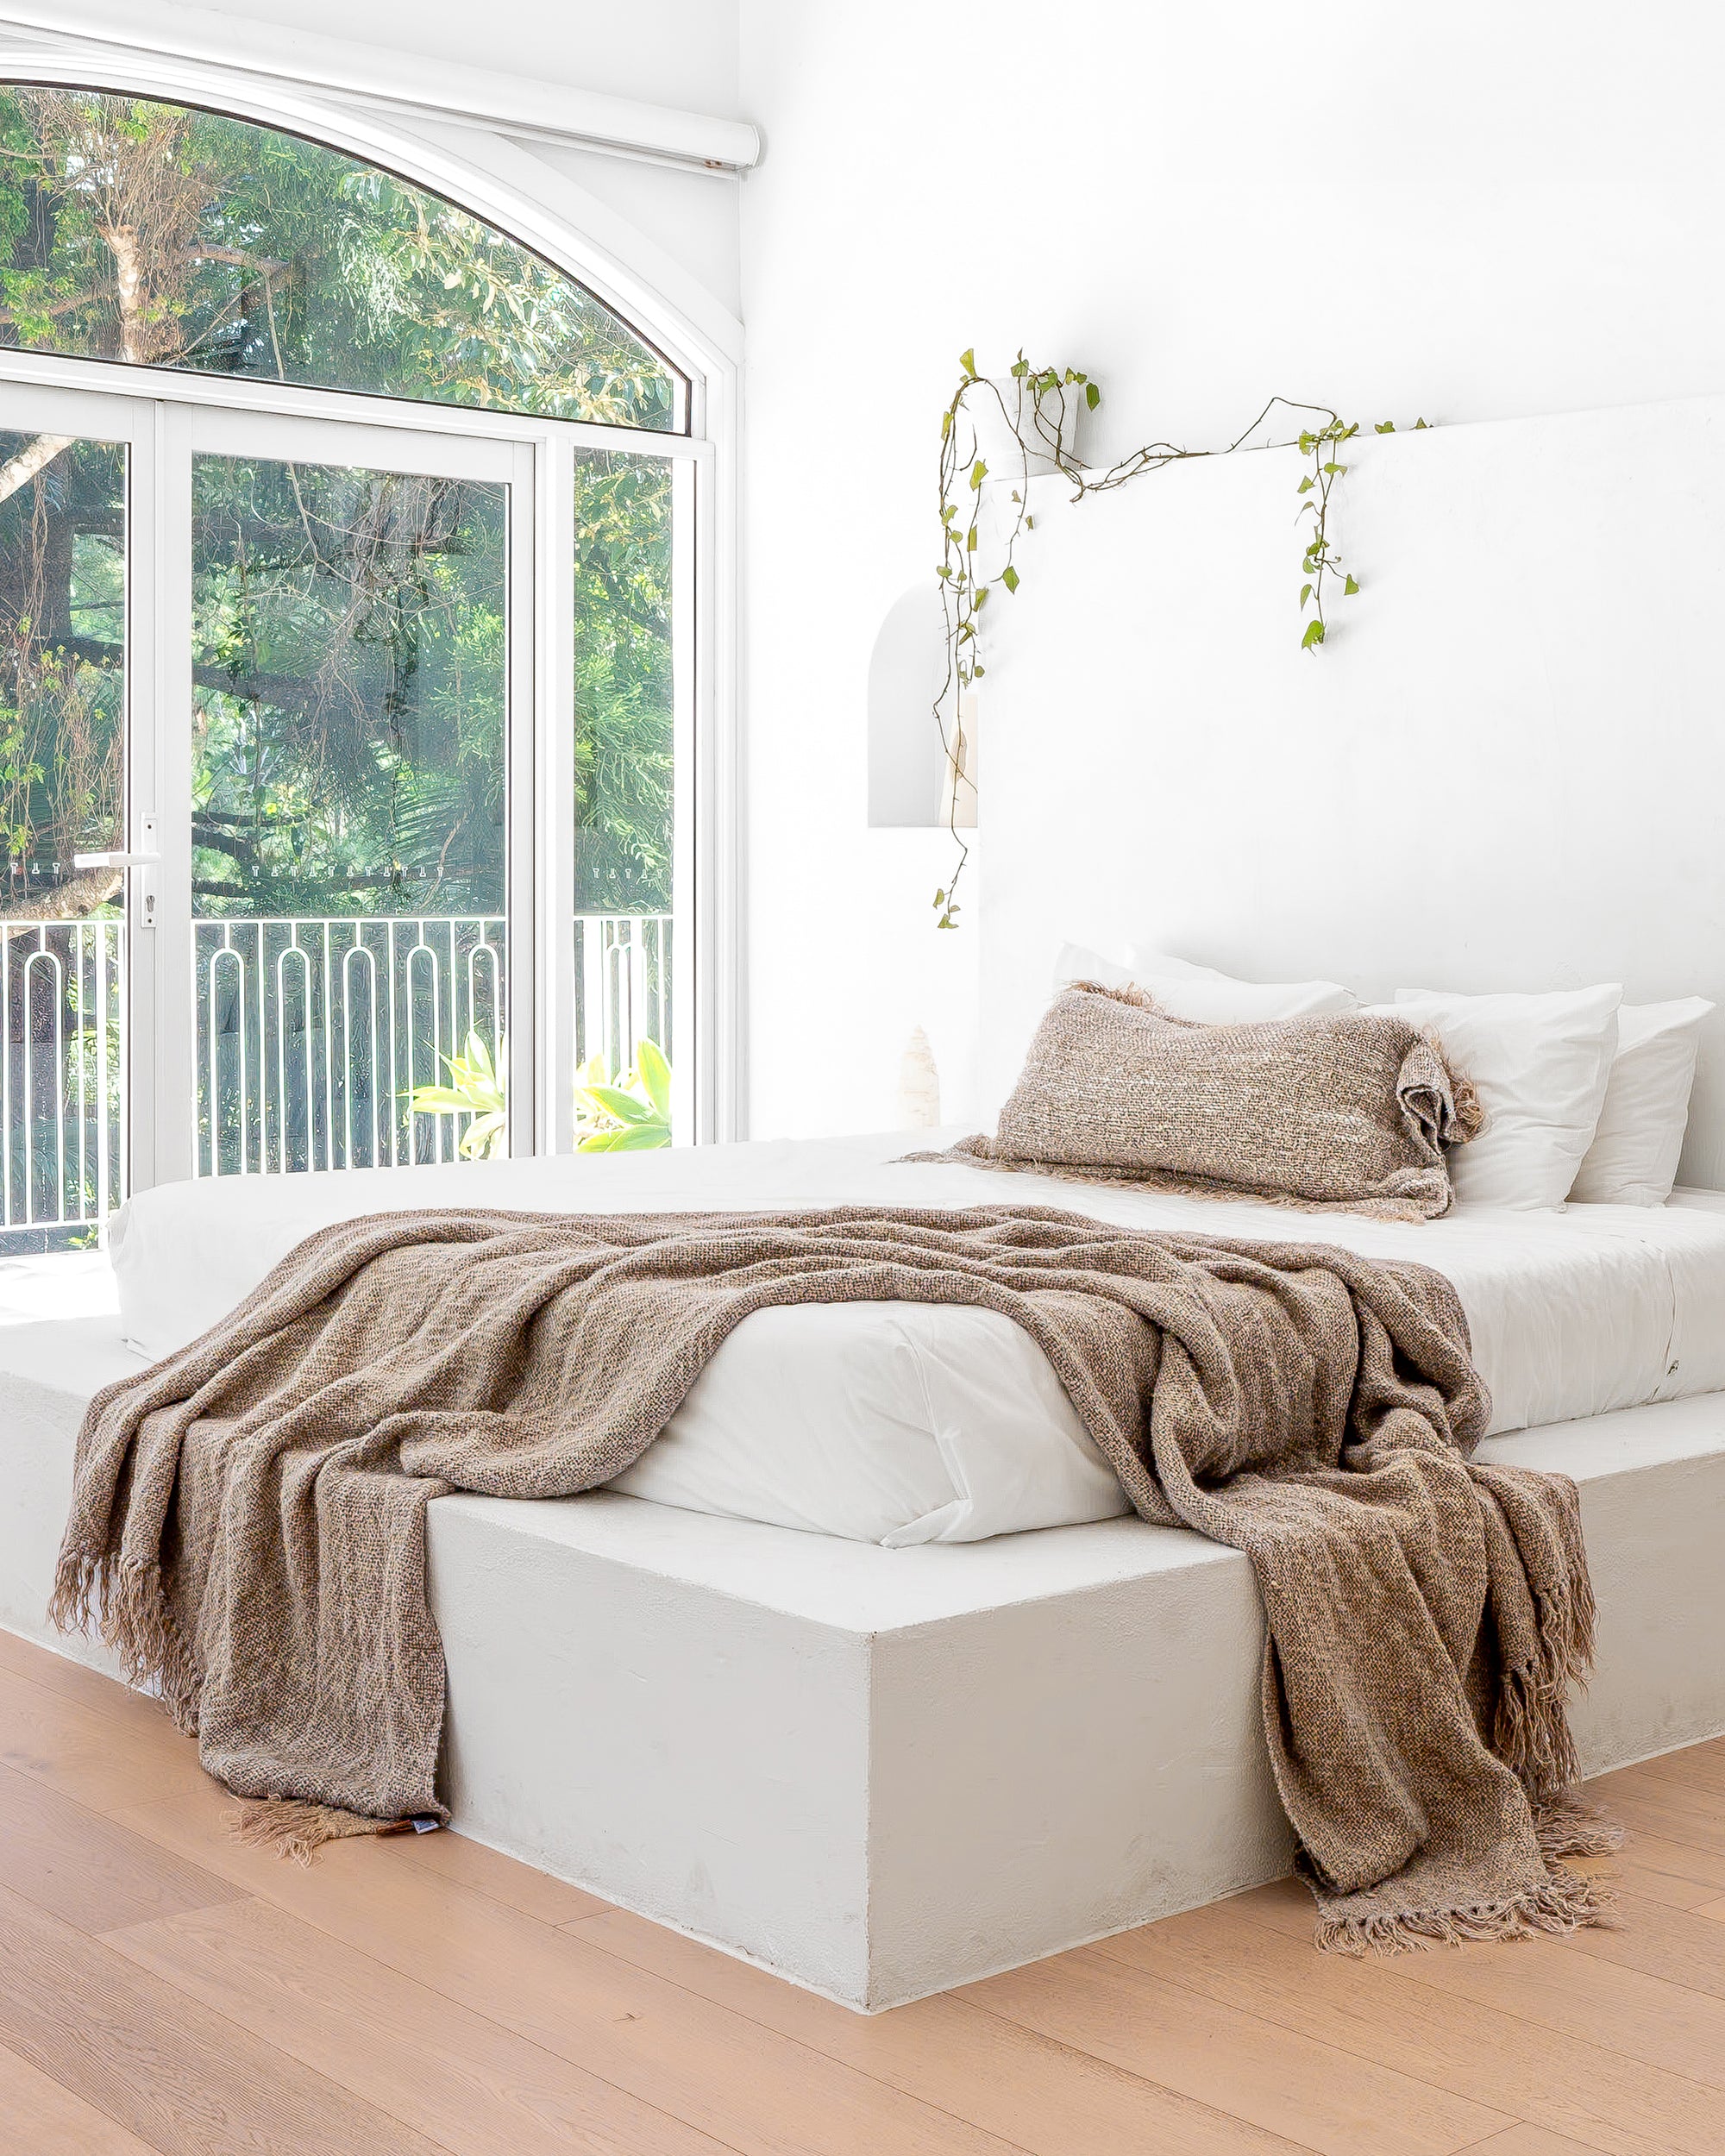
{"x":311,"y":1036}
{"x":62,"y":1109}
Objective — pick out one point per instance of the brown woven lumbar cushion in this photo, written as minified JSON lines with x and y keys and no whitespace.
{"x":1344,"y":1110}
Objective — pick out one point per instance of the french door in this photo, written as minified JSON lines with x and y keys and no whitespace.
{"x":294,"y":799}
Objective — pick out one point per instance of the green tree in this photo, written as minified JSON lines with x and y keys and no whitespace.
{"x":349,"y":720}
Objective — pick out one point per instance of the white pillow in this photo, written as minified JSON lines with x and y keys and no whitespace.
{"x":1633,"y":1158}
{"x":1540,"y":1064}
{"x":1199,"y":991}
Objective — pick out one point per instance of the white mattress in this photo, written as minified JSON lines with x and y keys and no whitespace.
{"x":902,"y":1423}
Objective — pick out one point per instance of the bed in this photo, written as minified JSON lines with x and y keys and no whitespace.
{"x":901,"y":1423}
{"x":870,"y":1757}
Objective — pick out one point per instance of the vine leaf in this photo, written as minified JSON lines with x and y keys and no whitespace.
{"x":1038,"y":417}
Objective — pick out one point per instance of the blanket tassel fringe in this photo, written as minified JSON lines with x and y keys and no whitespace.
{"x":123,"y":1603}
{"x":296,"y":1830}
{"x":1565,"y":1904}
{"x":1564,"y":1825}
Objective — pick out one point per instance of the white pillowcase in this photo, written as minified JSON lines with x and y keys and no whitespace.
{"x":1633,"y":1158}
{"x":1199,"y":991}
{"x":1540,"y":1064}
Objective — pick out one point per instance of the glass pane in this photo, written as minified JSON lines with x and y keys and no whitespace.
{"x":349,"y":814}
{"x":169,"y":237}
{"x":62,"y":793}
{"x":625,"y":744}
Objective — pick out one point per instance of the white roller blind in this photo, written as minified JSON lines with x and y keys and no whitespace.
{"x":399,"y":82}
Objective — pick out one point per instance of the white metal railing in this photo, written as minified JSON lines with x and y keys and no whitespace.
{"x":62,"y":1106}
{"x":623,"y":985}
{"x":311,"y":1036}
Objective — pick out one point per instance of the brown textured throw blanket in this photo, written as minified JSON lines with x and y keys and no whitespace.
{"x":249,"y":1519}
{"x":1343,"y":1111}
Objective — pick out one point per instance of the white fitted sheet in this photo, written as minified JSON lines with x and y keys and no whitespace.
{"x":899,"y":1422}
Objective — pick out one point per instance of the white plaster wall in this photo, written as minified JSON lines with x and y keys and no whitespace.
{"x":1482,"y":212}
{"x":664,"y":52}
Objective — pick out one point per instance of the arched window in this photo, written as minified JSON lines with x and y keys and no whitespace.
{"x":377,"y":713}
{"x":165,"y":235}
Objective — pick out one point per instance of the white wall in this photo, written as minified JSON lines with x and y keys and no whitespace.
{"x":663,"y":52}
{"x":1480,"y":212}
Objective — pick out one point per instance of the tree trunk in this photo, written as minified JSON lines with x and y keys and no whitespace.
{"x":68,"y":901}
{"x":35,"y":456}
{"x":122,"y":239}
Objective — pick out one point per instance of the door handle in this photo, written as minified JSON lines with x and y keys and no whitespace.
{"x":146,"y":860}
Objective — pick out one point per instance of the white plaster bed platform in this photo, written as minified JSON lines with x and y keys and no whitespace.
{"x":882,"y":1772}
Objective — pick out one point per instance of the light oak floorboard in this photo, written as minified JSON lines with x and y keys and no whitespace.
{"x":1530,"y":2141}
{"x":504,"y":1879}
{"x":1649,"y":1870}
{"x":1287,"y":2081}
{"x":1041,"y":2095}
{"x":119,"y":1753}
{"x":1614,"y":2008}
{"x":1680,"y":1945}
{"x":438,"y":2066}
{"x":1674,"y":1810}
{"x":87,"y":1869}
{"x":182,"y":2080}
{"x":164,"y":1989}
{"x":42,"y":1665}
{"x":1255,"y":1953}
{"x":743,"y":2085}
{"x":38,"y":2115}
{"x":1702,"y":1767}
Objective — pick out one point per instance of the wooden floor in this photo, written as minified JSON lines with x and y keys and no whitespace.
{"x":162,"y":1988}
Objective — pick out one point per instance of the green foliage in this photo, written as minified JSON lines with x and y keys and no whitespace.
{"x":62,"y":684}
{"x":1041,"y":423}
{"x":349,"y":663}
{"x":631,"y":1116}
{"x":1320,"y":559}
{"x":624,"y":715}
{"x":349,"y":698}
{"x":150,"y":232}
{"x":475,"y":1089}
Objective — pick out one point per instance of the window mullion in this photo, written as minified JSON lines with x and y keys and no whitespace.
{"x":165,"y":751}
{"x":555,"y":763}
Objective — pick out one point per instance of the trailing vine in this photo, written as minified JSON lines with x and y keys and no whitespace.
{"x":1040,"y":414}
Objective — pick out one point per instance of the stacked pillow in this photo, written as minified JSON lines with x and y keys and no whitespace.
{"x":1199,"y":993}
{"x":1633,"y":1157}
{"x":1585,"y":1098}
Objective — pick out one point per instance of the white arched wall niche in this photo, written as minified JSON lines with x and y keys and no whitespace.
{"x":502,"y":182}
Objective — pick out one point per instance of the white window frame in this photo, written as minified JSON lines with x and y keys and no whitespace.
{"x":152,"y":408}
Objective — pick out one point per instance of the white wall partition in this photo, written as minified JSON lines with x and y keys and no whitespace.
{"x":1502,"y":771}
